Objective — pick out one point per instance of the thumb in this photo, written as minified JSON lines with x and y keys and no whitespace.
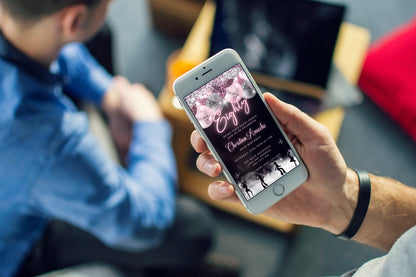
{"x":296,"y":122}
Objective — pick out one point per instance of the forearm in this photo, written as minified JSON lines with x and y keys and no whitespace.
{"x":391,"y":211}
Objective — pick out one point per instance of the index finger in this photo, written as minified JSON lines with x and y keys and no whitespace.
{"x":197,"y":142}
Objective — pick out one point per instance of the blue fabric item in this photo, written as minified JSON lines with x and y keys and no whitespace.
{"x":51,"y":166}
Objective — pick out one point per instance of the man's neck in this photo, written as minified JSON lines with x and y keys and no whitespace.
{"x":37,"y":41}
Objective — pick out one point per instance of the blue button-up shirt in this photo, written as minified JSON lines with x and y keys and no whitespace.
{"x":51,"y":166}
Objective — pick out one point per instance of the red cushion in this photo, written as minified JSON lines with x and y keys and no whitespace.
{"x":389,"y":75}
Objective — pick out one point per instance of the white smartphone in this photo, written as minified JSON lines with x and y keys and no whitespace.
{"x":227,"y":108}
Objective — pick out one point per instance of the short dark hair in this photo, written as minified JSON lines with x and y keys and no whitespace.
{"x":29,"y":10}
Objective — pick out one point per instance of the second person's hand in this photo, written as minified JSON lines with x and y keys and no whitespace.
{"x":125,"y":103}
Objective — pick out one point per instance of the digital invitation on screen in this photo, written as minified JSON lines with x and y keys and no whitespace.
{"x":244,"y":135}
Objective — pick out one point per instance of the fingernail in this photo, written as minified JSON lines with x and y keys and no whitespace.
{"x":224,"y":189}
{"x":193,"y":139}
{"x":209,"y":166}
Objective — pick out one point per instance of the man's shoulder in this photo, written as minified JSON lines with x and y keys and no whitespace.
{"x":34,"y":113}
{"x":16,"y":84}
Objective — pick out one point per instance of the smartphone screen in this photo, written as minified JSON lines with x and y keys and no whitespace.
{"x":241,"y":129}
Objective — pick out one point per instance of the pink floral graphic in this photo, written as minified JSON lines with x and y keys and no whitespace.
{"x":204,"y":116}
{"x":234,"y":93}
{"x":228,"y":88}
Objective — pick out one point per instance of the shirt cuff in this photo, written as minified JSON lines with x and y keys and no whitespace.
{"x":103,"y":81}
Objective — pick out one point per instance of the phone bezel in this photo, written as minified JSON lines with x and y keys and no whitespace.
{"x":202,"y":74}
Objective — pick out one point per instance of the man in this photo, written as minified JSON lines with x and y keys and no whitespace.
{"x":334,"y":198}
{"x":51,"y":167}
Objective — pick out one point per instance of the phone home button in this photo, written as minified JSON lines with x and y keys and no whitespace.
{"x":278,"y":190}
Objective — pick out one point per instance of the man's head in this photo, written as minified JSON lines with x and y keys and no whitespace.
{"x":62,"y":20}
{"x":32,"y":10}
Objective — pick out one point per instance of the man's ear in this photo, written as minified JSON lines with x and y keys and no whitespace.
{"x":73,"y":20}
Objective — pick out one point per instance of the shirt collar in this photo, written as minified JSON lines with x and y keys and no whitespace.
{"x":11,"y":54}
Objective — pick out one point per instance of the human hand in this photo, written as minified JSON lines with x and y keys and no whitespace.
{"x":134,"y":101}
{"x":325,"y":200}
{"x":124,"y":104}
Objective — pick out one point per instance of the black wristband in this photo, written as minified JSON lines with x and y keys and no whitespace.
{"x":364,"y":195}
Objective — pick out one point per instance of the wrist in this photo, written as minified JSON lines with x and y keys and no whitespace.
{"x":110,"y":101}
{"x":363,"y":202}
{"x":344,"y":204}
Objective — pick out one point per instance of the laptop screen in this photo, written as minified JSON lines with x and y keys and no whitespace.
{"x":288,"y":39}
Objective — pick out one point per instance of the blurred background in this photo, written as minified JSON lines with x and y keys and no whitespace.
{"x":368,"y":138}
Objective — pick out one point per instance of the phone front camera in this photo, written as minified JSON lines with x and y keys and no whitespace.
{"x":196,"y":78}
